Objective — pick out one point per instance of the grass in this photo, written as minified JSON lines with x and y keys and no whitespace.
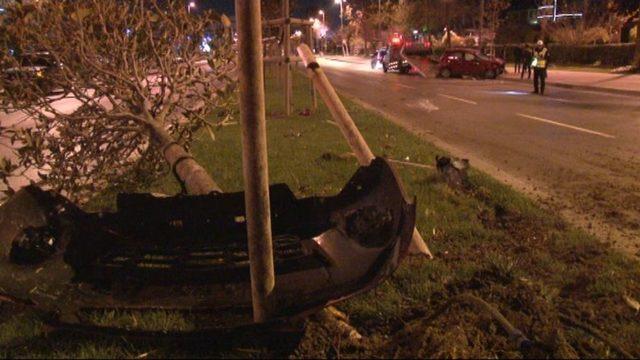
{"x":489,"y":241}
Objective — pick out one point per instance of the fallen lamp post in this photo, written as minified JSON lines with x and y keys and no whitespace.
{"x":348,"y":127}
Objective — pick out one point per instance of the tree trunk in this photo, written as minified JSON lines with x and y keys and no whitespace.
{"x":196,"y":179}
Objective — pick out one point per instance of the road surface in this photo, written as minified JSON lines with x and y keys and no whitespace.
{"x":576,"y":151}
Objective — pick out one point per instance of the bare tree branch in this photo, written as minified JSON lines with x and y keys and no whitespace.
{"x":126,"y":88}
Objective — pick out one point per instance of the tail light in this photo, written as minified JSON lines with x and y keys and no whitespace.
{"x":396,"y":39}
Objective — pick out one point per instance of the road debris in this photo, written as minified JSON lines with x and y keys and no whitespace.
{"x":633,"y":303}
{"x":454,"y":171}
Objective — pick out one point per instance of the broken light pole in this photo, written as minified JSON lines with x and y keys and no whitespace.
{"x":348,"y":128}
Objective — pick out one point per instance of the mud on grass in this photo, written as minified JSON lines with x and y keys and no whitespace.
{"x":489,"y":241}
{"x":543,"y":276}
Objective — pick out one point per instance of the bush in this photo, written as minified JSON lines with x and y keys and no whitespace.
{"x":605,"y":55}
{"x":611,"y":55}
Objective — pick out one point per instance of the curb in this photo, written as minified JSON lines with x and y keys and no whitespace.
{"x":582,"y":87}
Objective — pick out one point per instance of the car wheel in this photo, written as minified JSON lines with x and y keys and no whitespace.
{"x":445,"y":73}
{"x":490,"y":74}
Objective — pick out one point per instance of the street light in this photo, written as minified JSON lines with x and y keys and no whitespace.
{"x":448,"y":20}
{"x":339,"y":2}
{"x":345,"y":47}
{"x":322,"y":34}
{"x":192,"y":5}
{"x":379,"y":20}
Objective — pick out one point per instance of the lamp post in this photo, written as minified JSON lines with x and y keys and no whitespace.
{"x":379,"y":19}
{"x":448,"y":19}
{"x":345,"y":47}
{"x":481,"y":24}
{"x":339,"y":2}
{"x":312,"y":41}
{"x":322,"y":44}
{"x":192,"y":4}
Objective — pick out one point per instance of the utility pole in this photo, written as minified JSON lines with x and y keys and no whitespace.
{"x":448,"y":16}
{"x":286,"y":14}
{"x":379,"y":19}
{"x":481,"y":25}
{"x":254,"y":158}
{"x":341,"y":15}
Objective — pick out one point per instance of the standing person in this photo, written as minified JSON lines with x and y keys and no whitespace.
{"x":539,"y":64}
{"x":527,"y":58}
{"x":517,"y":57}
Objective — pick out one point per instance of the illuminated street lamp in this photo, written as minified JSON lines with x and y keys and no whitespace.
{"x":192,"y":5}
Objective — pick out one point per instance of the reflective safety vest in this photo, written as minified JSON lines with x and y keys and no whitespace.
{"x":540,"y":58}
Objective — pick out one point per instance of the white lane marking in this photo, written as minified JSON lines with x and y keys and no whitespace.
{"x":561,"y":100}
{"x":407,"y":86}
{"x":459,"y":99}
{"x":592,"y":132}
{"x":424,"y":104}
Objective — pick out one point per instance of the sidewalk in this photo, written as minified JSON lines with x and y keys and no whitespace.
{"x":626,"y":84}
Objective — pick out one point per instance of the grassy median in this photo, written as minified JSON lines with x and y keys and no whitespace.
{"x":570,"y":294}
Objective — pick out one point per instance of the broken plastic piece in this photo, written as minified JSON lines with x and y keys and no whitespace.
{"x":190,"y":252}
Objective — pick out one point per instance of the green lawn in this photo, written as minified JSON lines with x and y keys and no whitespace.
{"x":490,"y":241}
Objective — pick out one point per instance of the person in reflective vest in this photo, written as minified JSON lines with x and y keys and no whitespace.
{"x":539,"y":65}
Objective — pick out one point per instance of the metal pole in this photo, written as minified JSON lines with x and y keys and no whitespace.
{"x":481,"y":24}
{"x":314,"y":97}
{"x":341,"y":16}
{"x":254,"y":157}
{"x":348,"y":128}
{"x":287,"y":52}
{"x":379,"y":21}
{"x":446,"y":5}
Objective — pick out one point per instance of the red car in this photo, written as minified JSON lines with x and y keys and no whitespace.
{"x":463,"y":61}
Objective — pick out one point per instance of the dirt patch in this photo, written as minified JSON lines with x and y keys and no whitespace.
{"x":561,"y":289}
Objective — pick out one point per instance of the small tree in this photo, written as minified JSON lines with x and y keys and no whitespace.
{"x":492,"y":16}
{"x":630,"y":9}
{"x":140,"y":84}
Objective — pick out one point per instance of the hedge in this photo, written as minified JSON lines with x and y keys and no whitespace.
{"x":613,"y":55}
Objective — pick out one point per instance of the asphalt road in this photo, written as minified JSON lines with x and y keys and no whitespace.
{"x":576,"y":151}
